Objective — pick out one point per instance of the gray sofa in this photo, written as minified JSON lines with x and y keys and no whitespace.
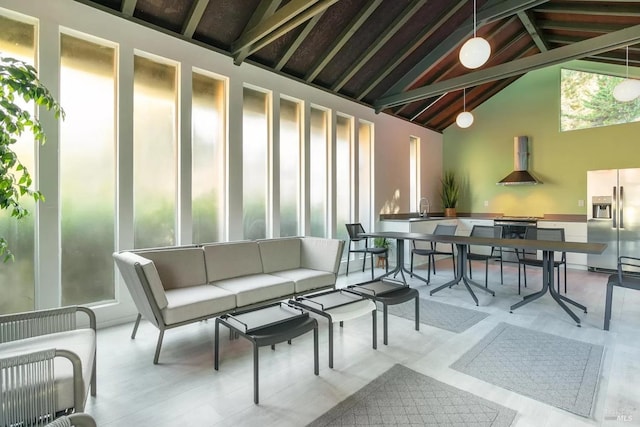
{"x":175,"y":286}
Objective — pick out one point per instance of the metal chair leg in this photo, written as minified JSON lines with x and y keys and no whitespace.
{"x":157,"y":356}
{"x":135,"y":326}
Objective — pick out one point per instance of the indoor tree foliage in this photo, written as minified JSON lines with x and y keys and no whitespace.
{"x":19,"y":81}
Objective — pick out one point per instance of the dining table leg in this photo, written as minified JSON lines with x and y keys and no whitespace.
{"x":400,"y":268}
{"x":461,"y":275}
{"x":548,"y":285}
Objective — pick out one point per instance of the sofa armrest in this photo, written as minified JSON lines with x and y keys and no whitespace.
{"x":42,"y":322}
{"x":321,"y":254}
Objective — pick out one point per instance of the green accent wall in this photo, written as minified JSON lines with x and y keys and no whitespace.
{"x":483,"y":153}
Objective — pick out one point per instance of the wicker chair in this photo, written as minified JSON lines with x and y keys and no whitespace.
{"x":36,"y":382}
{"x":74,"y":420}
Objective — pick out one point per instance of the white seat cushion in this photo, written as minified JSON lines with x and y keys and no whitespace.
{"x":257,"y":288}
{"x":82,"y":342}
{"x":307,"y":280}
{"x":185,"y":304}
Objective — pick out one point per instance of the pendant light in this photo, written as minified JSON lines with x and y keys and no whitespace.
{"x":475,"y":51}
{"x":464,"y":119}
{"x":628,"y":89}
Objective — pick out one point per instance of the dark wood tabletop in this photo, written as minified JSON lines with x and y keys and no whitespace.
{"x":530,"y":244}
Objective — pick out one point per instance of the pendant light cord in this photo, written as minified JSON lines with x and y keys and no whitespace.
{"x":464,"y":99}
{"x":474,"y":18}
{"x":626,"y":60}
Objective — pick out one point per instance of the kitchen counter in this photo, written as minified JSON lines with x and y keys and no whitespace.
{"x":436,"y":216}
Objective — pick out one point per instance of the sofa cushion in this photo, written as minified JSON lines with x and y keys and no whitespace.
{"x":227,"y":260}
{"x":82,"y":342}
{"x":257,"y":288}
{"x":321,"y":254}
{"x":306,"y":280}
{"x":178,"y":267}
{"x":279,"y":254}
{"x":196,"y":301}
{"x":126,"y":262}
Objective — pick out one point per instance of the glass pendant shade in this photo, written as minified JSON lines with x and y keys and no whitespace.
{"x":475,"y":52}
{"x":627,"y":90}
{"x":464,"y":119}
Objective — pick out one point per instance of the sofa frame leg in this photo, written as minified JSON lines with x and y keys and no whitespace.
{"x":135,"y":327}
{"x":157,"y":356}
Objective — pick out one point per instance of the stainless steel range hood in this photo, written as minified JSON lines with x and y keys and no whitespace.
{"x":520,"y":176}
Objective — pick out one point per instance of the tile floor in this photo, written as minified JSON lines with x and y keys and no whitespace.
{"x":184,"y":389}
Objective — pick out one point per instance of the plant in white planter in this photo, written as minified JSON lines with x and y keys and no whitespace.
{"x":19,"y":81}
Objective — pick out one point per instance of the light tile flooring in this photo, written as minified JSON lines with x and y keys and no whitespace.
{"x":184,"y":389}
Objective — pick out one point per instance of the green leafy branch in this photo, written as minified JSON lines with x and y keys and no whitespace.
{"x":19,"y":81}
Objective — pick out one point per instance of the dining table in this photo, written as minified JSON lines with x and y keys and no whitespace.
{"x":547,"y":247}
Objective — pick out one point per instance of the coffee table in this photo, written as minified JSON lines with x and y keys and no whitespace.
{"x":268,"y":325}
{"x":337,"y":306}
{"x":388,"y":292}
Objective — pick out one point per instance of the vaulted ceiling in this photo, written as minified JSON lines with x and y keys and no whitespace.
{"x":398,"y":56}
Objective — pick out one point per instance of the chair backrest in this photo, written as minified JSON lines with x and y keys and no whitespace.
{"x":490,"y":231}
{"x":537,"y":233}
{"x":445,"y":230}
{"x":354,"y":230}
{"x":552,"y":234}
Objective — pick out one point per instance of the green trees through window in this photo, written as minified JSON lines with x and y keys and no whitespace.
{"x":586,"y":101}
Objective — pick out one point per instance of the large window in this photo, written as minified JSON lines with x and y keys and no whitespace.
{"x":586,"y":101}
{"x":17,"y":278}
{"x":365,"y":142}
{"x":255,"y":162}
{"x":155,"y":118}
{"x":344,"y":186}
{"x":414,"y":174}
{"x":87,"y":170}
{"x":290,"y":139}
{"x":208,"y":161}
{"x":318,"y":165}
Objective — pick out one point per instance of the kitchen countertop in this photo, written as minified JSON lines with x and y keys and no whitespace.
{"x":435,"y":216}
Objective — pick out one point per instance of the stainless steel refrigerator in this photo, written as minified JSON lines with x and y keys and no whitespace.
{"x":613,"y":215}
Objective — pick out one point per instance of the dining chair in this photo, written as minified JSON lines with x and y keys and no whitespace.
{"x":473,"y":254}
{"x":355,"y":246}
{"x":629,"y":280}
{"x":434,"y":249}
{"x":531,"y":259}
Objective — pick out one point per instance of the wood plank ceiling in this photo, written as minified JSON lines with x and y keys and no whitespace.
{"x":398,"y":56}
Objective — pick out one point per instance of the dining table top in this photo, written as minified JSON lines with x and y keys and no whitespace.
{"x":526,"y":244}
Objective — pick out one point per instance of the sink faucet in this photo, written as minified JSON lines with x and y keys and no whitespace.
{"x":425,"y":212}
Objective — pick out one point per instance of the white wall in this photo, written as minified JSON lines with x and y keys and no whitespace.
{"x":391,"y":136}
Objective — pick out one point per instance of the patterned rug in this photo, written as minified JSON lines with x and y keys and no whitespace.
{"x":443,"y":316}
{"x":559,"y":371}
{"x":405,"y":397}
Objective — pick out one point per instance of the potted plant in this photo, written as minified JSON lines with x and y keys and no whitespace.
{"x":381,"y":242}
{"x":19,"y":81}
{"x":450,"y":193}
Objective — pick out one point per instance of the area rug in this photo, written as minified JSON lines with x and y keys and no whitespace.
{"x":402,"y":396}
{"x":443,"y":316}
{"x":558,"y":371}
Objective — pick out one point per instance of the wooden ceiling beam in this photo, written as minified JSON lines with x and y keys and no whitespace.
{"x":597,"y":9}
{"x":298,"y":41}
{"x":342,"y":39}
{"x":128,"y":7}
{"x":265,"y":9}
{"x":409,"y":49}
{"x":533,"y":30}
{"x":562,"y":54}
{"x":383,"y":38}
{"x":285,"y":19}
{"x":193,"y":18}
{"x":492,"y":11}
